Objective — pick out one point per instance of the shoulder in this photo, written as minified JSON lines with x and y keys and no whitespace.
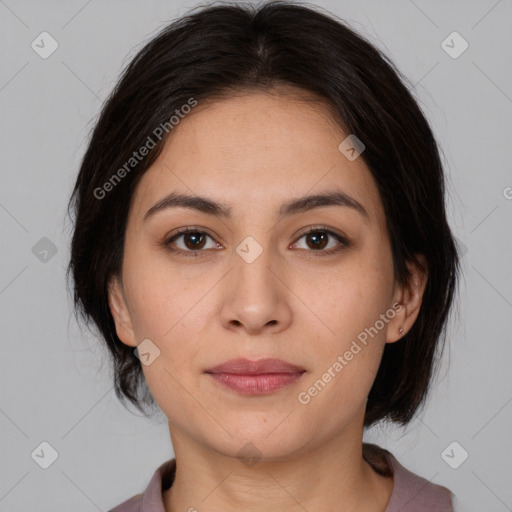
{"x":411,"y":492}
{"x":151,"y":498}
{"x":130,"y":505}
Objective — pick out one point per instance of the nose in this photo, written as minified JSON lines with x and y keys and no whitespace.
{"x":256,"y":298}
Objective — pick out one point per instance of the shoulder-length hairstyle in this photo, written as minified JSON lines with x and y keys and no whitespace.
{"x":218,"y":51}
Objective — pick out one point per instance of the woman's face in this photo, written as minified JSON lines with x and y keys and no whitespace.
{"x":253,"y":283}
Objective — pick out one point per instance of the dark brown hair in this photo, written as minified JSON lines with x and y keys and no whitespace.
{"x":225,"y":49}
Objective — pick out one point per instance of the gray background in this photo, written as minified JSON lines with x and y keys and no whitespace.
{"x":55,"y":381}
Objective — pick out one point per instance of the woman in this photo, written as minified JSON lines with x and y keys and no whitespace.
{"x":261,"y":239}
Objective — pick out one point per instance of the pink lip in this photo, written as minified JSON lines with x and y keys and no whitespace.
{"x":243,"y":366}
{"x":255,"y":377}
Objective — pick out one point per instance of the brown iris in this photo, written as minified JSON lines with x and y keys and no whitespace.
{"x":319,"y":239}
{"x":198,"y":240}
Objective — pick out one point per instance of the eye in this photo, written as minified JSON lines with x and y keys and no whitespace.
{"x":194,"y":241}
{"x":320,"y":238}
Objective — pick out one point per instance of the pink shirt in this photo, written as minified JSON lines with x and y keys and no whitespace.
{"x":411,"y":493}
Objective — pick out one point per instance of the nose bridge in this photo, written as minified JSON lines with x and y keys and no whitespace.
{"x":253,"y":262}
{"x":255,"y":296}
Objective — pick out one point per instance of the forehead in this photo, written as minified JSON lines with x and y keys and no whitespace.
{"x":259,"y":146}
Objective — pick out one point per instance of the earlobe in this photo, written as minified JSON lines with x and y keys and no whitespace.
{"x":120,"y":312}
{"x":409,"y":297}
{"x":396,"y":329}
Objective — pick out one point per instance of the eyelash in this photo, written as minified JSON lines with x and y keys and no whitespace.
{"x":315,"y":229}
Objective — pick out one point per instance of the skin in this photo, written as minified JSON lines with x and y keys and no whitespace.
{"x":255,"y":152}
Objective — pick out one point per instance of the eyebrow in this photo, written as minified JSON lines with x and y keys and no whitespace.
{"x":291,"y":207}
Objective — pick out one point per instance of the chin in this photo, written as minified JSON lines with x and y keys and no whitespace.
{"x":258,"y":445}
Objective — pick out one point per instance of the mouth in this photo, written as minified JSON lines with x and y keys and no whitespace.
{"x":255,"y":377}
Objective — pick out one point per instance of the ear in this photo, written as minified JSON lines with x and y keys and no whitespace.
{"x":120,"y":312}
{"x":409,"y":297}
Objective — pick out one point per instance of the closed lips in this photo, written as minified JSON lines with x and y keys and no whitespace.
{"x":242,"y":366}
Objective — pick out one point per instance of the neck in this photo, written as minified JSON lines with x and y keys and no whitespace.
{"x":333,"y":476}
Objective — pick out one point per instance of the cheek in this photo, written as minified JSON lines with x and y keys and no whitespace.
{"x":345,"y":298}
{"x":354,"y":310}
{"x":343,"y":375}
{"x":163,"y":298}
{"x":166,"y":307}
